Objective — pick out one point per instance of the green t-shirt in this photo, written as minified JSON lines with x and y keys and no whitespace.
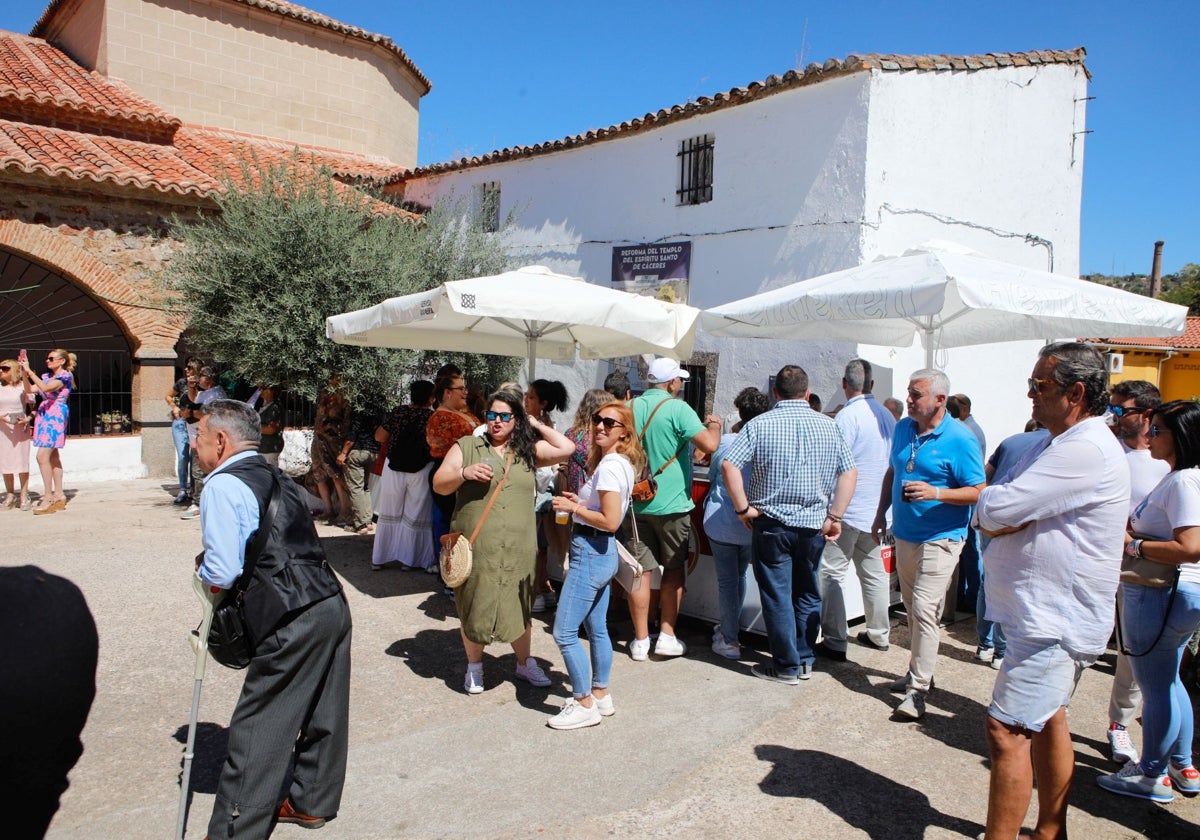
{"x":672,"y":427}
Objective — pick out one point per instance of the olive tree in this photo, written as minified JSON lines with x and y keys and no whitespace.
{"x":289,"y":246}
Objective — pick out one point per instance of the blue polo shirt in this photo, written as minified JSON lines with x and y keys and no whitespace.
{"x":947,"y":457}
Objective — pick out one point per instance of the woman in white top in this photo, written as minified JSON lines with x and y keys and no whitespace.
{"x":1158,"y":621}
{"x":613,"y":460}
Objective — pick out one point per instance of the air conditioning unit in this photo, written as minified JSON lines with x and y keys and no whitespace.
{"x":1116,"y":362}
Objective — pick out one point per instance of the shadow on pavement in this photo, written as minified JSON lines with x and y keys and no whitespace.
{"x":212,"y":742}
{"x":821,"y":777}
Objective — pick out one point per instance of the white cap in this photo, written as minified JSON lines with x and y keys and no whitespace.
{"x":664,"y":370}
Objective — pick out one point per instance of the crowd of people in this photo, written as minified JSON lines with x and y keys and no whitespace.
{"x":797,"y":496}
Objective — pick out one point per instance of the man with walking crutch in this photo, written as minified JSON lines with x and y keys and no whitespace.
{"x":295,"y":701}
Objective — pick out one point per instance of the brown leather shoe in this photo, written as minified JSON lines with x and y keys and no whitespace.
{"x":288,"y":814}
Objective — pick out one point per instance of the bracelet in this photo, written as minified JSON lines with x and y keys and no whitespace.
{"x":462,"y":475}
{"x":937,"y":494}
{"x":743,"y":511}
{"x":832,"y":517}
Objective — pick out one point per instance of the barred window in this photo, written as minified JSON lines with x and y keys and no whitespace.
{"x":488,"y":207}
{"x":695,"y":170}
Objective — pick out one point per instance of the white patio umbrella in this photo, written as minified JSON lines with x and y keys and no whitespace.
{"x":950,"y":297}
{"x":529,"y":312}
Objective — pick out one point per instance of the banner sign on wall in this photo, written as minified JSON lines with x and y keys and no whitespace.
{"x":659,"y":270}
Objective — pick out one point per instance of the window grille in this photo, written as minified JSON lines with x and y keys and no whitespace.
{"x":696,"y":170}
{"x":489,"y":206}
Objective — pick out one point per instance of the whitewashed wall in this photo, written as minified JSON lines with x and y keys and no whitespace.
{"x":814,"y":180}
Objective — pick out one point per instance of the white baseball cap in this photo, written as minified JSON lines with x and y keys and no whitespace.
{"x":664,"y":370}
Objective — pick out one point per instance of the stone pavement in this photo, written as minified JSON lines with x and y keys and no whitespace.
{"x":698,"y":747}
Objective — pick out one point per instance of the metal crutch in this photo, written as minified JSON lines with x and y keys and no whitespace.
{"x":208,"y":598}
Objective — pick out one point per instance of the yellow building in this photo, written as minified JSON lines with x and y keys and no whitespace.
{"x":1173,"y":364}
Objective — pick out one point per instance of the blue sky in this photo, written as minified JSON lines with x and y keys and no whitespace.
{"x":507,"y":74}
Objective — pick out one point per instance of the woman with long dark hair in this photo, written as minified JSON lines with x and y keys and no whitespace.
{"x":542,"y":397}
{"x":613,"y":460}
{"x":1157,"y":621}
{"x":50,"y":424}
{"x":495,"y":603}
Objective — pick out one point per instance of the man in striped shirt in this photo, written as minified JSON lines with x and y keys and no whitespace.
{"x":802,"y":477}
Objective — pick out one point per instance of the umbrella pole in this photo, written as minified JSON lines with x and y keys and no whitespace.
{"x":200,"y":643}
{"x":531,"y":357}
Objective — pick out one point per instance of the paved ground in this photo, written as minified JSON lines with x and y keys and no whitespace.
{"x":698,"y":747}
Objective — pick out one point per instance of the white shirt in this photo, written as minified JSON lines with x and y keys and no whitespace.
{"x":614,"y":473}
{"x":867,"y":427}
{"x":1056,"y":578}
{"x":1145,"y":472}
{"x":1174,"y":503}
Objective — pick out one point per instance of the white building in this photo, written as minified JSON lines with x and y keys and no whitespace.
{"x":808,"y":173}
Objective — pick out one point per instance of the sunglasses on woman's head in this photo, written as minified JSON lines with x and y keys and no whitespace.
{"x":502,"y":416}
{"x":606,"y":422}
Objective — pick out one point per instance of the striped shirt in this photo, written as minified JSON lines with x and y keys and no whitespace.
{"x":795,"y":457}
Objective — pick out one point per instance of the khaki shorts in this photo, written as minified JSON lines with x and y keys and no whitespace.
{"x":663,"y":540}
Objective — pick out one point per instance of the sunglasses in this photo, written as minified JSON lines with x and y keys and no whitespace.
{"x":5,"y":368}
{"x":1155,"y":430}
{"x":502,"y":416}
{"x":1036,"y":385}
{"x":606,"y":422}
{"x":1121,"y":411}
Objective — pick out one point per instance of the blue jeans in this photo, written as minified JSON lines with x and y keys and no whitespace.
{"x":989,"y":633}
{"x":970,"y":571}
{"x":1166,"y":708}
{"x":786,"y":560}
{"x":183,"y":457}
{"x":732,"y":562}
{"x":583,"y":600}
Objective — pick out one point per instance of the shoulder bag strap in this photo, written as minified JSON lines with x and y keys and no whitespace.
{"x":260,"y":536}
{"x":646,"y":426}
{"x":491,"y":501}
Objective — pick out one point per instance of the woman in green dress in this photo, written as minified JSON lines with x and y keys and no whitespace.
{"x":496,"y":601}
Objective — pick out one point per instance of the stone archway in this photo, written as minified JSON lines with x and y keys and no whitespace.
{"x":55,"y":293}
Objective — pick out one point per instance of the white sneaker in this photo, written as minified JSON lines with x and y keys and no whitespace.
{"x":639,"y":650}
{"x":604,"y":704}
{"x":532,"y":673}
{"x":474,"y":681}
{"x":1186,"y":780}
{"x":1130,"y":781}
{"x":575,"y":716}
{"x":723,"y":648}
{"x":985,"y":654}
{"x":669,"y":646}
{"x":1120,"y":745}
{"x":193,"y":512}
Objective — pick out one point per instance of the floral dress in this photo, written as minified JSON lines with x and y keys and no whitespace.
{"x":50,"y":425}
{"x":333,"y":421}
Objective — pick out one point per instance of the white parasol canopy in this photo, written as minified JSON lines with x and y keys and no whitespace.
{"x":529,"y":312}
{"x":951,"y":297}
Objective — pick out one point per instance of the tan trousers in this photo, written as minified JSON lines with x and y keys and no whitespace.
{"x":925,"y":571}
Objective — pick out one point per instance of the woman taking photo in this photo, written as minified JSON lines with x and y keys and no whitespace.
{"x":14,"y":435}
{"x":1158,"y":621}
{"x":597,"y":511}
{"x":50,"y":425}
{"x":495,"y":603}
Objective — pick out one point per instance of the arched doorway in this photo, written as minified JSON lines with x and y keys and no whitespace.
{"x":41,"y":310}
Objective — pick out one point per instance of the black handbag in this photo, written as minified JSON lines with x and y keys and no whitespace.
{"x":229,"y":640}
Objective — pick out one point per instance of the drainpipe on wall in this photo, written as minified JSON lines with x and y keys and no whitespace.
{"x":1170,"y":352}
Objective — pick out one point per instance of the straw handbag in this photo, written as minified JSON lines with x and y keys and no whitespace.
{"x":455,"y":560}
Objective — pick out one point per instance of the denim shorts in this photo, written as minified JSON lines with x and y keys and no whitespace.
{"x":1037,"y":678}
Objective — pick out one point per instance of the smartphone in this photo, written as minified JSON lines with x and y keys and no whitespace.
{"x":23,"y":357}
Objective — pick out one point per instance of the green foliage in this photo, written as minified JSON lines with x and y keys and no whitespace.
{"x":1186,"y":291}
{"x":261,"y":276}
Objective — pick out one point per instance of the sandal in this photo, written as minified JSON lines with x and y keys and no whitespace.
{"x":45,"y":506}
{"x":26,"y":504}
{"x":10,"y":501}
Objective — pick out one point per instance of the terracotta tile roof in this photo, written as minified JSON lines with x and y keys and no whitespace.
{"x":773,"y":84}
{"x":1189,"y":339}
{"x":41,"y":84}
{"x":290,"y":10}
{"x":60,"y":121}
